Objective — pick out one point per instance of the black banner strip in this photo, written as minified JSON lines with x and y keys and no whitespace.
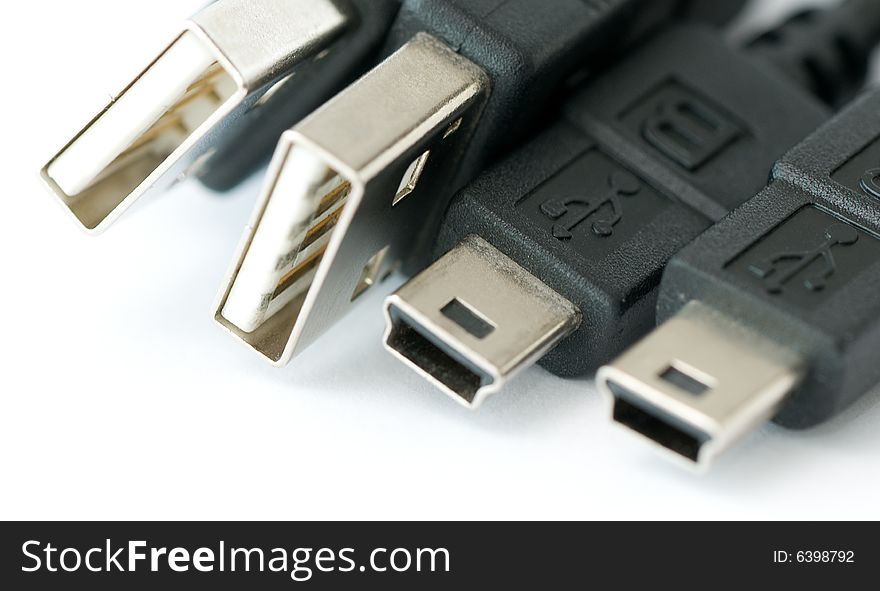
{"x":437,"y":555}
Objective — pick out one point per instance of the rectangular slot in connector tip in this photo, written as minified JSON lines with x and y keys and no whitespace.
{"x":115,"y":155}
{"x":468,"y":318}
{"x":653,"y":425}
{"x":684,"y":381}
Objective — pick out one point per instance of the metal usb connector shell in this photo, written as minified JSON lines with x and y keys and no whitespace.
{"x":473,"y":320}
{"x":699,"y":383}
{"x":227,"y":61}
{"x":346,"y":194}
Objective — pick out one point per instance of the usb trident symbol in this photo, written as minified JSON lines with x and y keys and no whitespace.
{"x":621,"y":184}
{"x":774,"y":278}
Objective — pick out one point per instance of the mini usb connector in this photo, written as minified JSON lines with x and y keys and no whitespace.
{"x":698,"y":383}
{"x":229,"y":57}
{"x":473,"y":320}
{"x":770,"y":314}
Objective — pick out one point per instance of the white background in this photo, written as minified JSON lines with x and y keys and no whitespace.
{"x":121,"y":399}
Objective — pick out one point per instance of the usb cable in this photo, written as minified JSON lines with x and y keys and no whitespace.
{"x":359,"y":187}
{"x":234,"y":72}
{"x":773,"y":312}
{"x":556,"y":254}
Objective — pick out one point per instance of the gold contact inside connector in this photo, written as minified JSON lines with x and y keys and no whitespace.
{"x":202,"y":99}
{"x":202,"y":96}
{"x":302,"y":269}
{"x":304,"y":206}
{"x":309,"y":253}
{"x":134,"y":136}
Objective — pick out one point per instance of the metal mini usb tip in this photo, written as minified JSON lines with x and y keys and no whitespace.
{"x":473,"y":320}
{"x":227,"y":61}
{"x":698,"y":383}
{"x":346,"y":194}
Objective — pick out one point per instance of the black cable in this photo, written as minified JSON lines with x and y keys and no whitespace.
{"x":826,"y":51}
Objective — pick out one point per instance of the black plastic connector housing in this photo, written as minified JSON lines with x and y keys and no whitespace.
{"x":656,"y":149}
{"x":529,"y":48}
{"x":800,"y":264}
{"x":508,"y":23}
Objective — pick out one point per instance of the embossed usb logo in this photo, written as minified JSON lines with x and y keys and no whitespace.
{"x":571,"y":212}
{"x":809,"y":258}
{"x":593,"y":204}
{"x":783,"y":267}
